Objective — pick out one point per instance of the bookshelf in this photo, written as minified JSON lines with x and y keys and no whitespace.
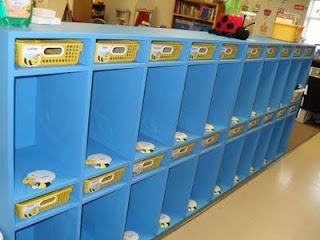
{"x":195,"y":15}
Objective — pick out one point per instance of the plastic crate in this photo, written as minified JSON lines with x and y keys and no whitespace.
{"x":286,"y":51}
{"x":165,"y":51}
{"x":253,"y":123}
{"x":268,"y":117}
{"x":96,"y":183}
{"x":308,"y":52}
{"x":50,"y":52}
{"x":34,"y":206}
{"x":147,"y":164}
{"x":286,"y":32}
{"x":182,"y":151}
{"x":254,"y":51}
{"x":235,"y":131}
{"x":281,"y":112}
{"x":208,"y":141}
{"x":229,"y":51}
{"x":202,"y":51}
{"x":107,"y":51}
{"x":271,"y":51}
{"x":298,"y":52}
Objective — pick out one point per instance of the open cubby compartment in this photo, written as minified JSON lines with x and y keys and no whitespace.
{"x":51,"y":112}
{"x":196,"y":98}
{"x":65,"y":225}
{"x":206,"y":178}
{"x":279,"y":84}
{"x":57,"y":51}
{"x":114,"y":116}
{"x":275,"y":140}
{"x":177,"y":193}
{"x":255,"y":51}
{"x":162,"y":100}
{"x":37,"y":209}
{"x":247,"y":90}
{"x":259,"y":160}
{"x":229,"y":164}
{"x":224,"y":94}
{"x":264,"y":88}
{"x":247,"y":155}
{"x":121,"y":51}
{"x":105,"y":217}
{"x":291,"y":83}
{"x":286,"y":133}
{"x":304,"y":72}
{"x":145,"y":203}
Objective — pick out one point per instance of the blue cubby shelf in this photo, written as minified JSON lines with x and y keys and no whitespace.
{"x":145,"y":203}
{"x":229,"y":164}
{"x":178,"y":190}
{"x":273,"y":145}
{"x":206,"y":175}
{"x":262,"y":148}
{"x":59,"y":227}
{"x":53,"y":117}
{"x":247,"y":154}
{"x":101,"y":217}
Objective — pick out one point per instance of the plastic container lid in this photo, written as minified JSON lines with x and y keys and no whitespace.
{"x":164,"y":221}
{"x":181,"y":137}
{"x":145,"y":147}
{"x":39,"y":179}
{"x":209,"y":127}
{"x":192,"y":205}
{"x":130,"y":235}
{"x":98,"y":160}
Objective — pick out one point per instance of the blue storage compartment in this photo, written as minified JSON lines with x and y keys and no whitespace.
{"x":145,"y":202}
{"x":264,"y":89}
{"x":114,"y":116}
{"x":279,"y":84}
{"x":62,"y":226}
{"x":206,"y":177}
{"x":259,"y":160}
{"x":104,"y":218}
{"x":286,"y":133}
{"x":51,"y":112}
{"x":229,"y":164}
{"x":247,"y":155}
{"x":275,"y":140}
{"x":247,"y":90}
{"x":224,"y":95}
{"x":177,"y":193}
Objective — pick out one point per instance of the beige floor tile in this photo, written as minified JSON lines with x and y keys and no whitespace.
{"x":282,"y":203}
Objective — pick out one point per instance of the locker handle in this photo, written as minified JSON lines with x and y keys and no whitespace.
{"x":48,"y":201}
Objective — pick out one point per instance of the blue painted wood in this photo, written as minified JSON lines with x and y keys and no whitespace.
{"x":53,"y":117}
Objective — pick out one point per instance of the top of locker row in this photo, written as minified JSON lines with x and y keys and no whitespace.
{"x":108,"y":44}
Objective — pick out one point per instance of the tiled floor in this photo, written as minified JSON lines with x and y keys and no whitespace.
{"x":282,"y":203}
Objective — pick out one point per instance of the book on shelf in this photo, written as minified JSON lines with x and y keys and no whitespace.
{"x":207,"y":12}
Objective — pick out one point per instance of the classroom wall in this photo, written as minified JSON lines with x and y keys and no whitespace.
{"x":163,"y":10}
{"x":265,"y":18}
